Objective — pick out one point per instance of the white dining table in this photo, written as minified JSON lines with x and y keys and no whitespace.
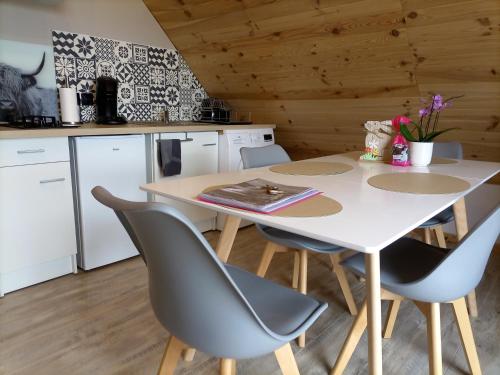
{"x":370,"y":218}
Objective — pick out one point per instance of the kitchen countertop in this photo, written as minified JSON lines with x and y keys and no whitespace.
{"x":130,"y":128}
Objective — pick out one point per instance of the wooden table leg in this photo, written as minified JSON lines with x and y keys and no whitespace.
{"x":227,"y":237}
{"x":462,"y":228}
{"x":301,"y":340}
{"x":372,"y":266}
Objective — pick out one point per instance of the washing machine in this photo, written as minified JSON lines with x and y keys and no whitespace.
{"x":230,"y":143}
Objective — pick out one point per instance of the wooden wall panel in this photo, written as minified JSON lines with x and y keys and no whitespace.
{"x":320,"y":68}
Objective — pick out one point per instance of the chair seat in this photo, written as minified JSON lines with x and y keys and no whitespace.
{"x":444,"y":217}
{"x":296,"y":241}
{"x":283,"y":310}
{"x":403,"y":262}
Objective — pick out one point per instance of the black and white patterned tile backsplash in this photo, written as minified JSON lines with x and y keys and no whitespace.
{"x":151,"y":80}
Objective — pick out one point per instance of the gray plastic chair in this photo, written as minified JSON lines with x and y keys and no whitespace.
{"x":280,"y":240}
{"x":451,"y":150}
{"x":205,"y":304}
{"x":255,"y":157}
{"x":430,"y":276}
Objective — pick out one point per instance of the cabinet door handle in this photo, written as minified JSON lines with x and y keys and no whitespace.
{"x":116,"y":148}
{"x":187,"y":140}
{"x":33,"y":151}
{"x":209,"y":144}
{"x":48,"y":181}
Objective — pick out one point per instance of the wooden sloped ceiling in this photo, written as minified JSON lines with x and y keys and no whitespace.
{"x":319,"y":68}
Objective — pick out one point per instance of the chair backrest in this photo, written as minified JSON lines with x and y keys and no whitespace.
{"x":118,"y":206}
{"x":255,"y":157}
{"x":462,"y":269}
{"x":191,"y":292}
{"x":452,"y":150}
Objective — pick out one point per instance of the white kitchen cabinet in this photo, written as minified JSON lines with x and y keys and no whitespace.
{"x":37,"y":225}
{"x":199,"y":154}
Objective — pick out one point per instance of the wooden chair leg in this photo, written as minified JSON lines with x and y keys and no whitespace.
{"x":434,"y":340}
{"x":357,"y":329}
{"x":227,"y":366}
{"x":465,"y":331}
{"x":427,"y":236}
{"x":286,"y":360}
{"x":267,"y":256}
{"x":301,"y":341}
{"x":344,"y":284}
{"x":462,"y":228}
{"x":440,"y":236}
{"x":296,"y":270}
{"x":472,"y":303}
{"x":391,"y":318}
{"x":188,"y":354}
{"x":171,"y":356}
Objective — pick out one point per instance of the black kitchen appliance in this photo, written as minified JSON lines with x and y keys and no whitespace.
{"x":106,"y":101}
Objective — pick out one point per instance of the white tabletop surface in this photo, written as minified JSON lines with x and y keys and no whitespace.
{"x":370,"y":219}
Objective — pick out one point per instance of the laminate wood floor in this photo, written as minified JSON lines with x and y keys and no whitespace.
{"x":100,"y":322}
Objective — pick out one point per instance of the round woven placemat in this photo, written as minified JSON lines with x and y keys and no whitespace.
{"x":316,"y":206}
{"x":354,"y":155}
{"x":419,"y":183}
{"x":311,"y":168}
{"x":438,"y":160}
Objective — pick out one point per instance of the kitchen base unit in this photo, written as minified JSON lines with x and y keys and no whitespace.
{"x":199,"y":156}
{"x":37,"y":224}
{"x":118,"y":163}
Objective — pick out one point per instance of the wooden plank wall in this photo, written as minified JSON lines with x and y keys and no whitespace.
{"x":320,"y":68}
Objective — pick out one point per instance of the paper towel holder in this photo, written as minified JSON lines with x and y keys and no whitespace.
{"x":70,"y":111}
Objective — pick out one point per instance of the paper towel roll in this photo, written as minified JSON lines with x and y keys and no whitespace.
{"x":70,"y":112}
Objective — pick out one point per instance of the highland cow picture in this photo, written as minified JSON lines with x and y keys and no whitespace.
{"x":27,"y":81}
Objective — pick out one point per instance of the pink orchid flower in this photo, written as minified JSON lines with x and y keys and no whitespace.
{"x":398,"y":120}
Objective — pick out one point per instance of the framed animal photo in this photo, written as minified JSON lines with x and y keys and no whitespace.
{"x":27,"y":81}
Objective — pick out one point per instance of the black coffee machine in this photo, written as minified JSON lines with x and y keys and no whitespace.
{"x":106,"y":101}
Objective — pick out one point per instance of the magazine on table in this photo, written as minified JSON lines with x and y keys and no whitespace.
{"x":258,"y":195}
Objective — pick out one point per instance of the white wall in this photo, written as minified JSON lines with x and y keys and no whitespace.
{"x":32,"y":20}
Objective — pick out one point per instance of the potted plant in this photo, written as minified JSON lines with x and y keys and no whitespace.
{"x":421,"y":135}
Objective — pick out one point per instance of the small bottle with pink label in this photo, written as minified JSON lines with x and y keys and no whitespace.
{"x":399,"y":143}
{"x":400,"y":151}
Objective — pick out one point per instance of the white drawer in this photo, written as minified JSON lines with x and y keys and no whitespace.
{"x":33,"y":151}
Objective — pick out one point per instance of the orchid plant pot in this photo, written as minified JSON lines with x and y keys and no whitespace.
{"x":421,"y":134}
{"x":421,"y":153}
